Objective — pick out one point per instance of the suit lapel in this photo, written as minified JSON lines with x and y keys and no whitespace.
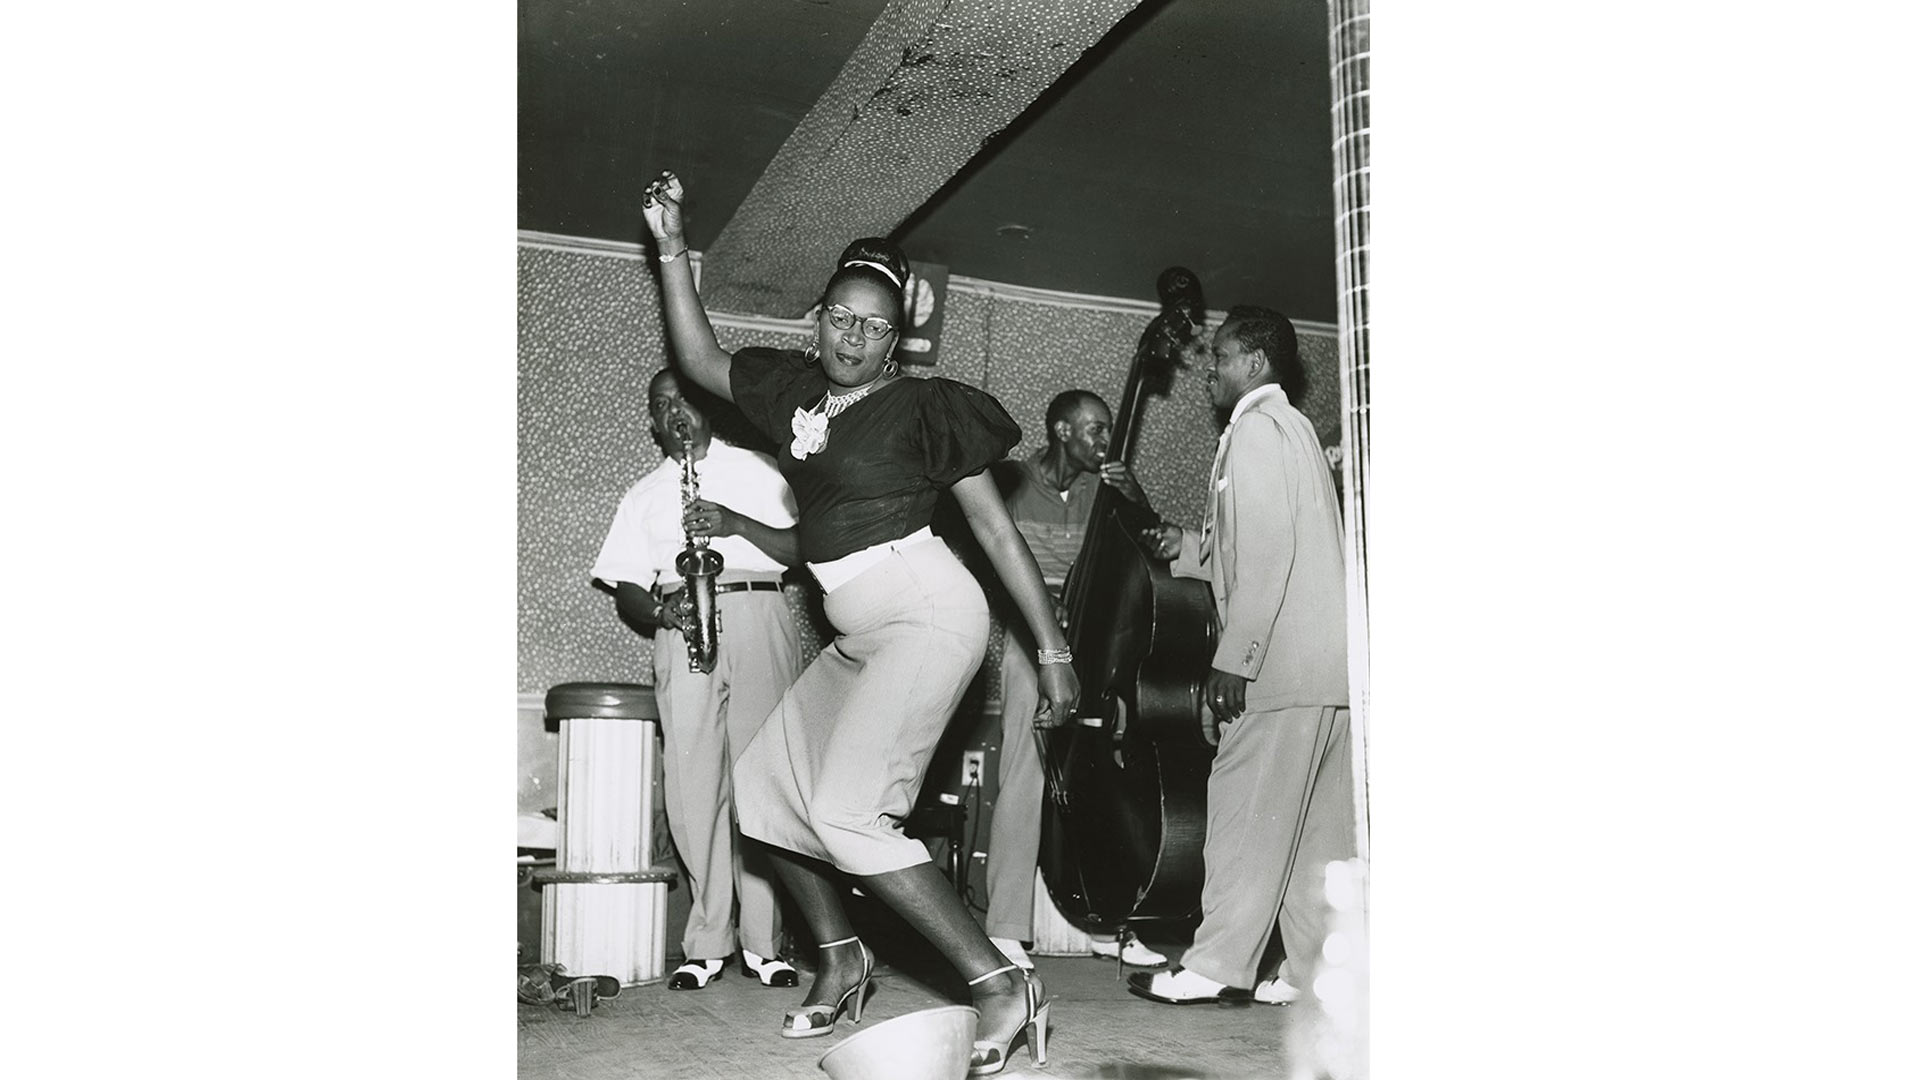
{"x":1213,"y":496}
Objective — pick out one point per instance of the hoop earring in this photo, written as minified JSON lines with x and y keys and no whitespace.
{"x":890,"y":368}
{"x":812,"y":353}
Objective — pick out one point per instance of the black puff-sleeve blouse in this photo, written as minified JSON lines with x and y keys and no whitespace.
{"x":887,"y":457}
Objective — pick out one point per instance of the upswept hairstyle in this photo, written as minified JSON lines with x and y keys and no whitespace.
{"x":880,"y":261}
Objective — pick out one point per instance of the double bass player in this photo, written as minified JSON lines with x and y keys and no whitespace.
{"x":1050,"y":495}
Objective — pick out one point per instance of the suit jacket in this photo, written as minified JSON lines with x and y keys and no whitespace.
{"x":1275,"y":559}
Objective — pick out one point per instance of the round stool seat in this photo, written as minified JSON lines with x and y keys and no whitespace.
{"x":601,"y":701}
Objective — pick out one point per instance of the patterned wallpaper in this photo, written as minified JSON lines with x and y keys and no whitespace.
{"x":590,"y":337}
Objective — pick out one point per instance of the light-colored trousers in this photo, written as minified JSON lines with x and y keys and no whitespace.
{"x":1013,"y":839}
{"x":706,"y":720}
{"x":1279,"y":809}
{"x":837,"y":767}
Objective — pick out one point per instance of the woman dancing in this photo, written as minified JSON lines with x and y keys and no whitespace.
{"x":839,"y":763}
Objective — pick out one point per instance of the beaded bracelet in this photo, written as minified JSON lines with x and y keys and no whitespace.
{"x":1056,"y":656}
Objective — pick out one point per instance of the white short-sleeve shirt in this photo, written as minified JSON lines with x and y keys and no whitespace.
{"x":646,"y":533}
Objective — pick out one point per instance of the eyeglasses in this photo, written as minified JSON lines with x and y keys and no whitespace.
{"x":873,"y":326}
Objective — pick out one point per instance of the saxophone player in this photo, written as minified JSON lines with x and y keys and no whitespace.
{"x":745,"y":511}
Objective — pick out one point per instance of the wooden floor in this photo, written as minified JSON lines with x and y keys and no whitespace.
{"x":729,"y":1031}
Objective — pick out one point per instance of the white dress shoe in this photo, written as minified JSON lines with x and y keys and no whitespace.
{"x":1014,"y":951}
{"x":774,"y":972}
{"x":1276,"y":991}
{"x":695,"y":974}
{"x":1178,"y":987}
{"x":1135,"y":953}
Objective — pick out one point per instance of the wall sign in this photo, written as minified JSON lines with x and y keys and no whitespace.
{"x":926,"y":310}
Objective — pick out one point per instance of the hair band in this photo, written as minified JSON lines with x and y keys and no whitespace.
{"x":882,"y":267}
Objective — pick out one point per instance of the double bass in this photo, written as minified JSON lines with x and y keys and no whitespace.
{"x":1124,"y":821}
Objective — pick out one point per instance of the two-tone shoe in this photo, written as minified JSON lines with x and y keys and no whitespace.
{"x":770,"y":972}
{"x":1134,"y":953}
{"x":1276,"y":991}
{"x":1178,"y":986}
{"x":695,"y":974}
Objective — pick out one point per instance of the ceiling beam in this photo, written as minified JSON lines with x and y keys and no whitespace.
{"x":929,"y":85}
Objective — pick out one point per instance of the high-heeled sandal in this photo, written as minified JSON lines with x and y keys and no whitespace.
{"x":1034,"y":1029}
{"x":820,"y":1019}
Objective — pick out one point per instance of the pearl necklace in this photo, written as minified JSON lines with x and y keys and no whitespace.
{"x":833,"y":405}
{"x":810,"y":425}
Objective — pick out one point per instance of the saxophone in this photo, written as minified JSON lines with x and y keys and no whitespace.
{"x":698,"y":565}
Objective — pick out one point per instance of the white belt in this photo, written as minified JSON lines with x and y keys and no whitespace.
{"x":832,"y":575}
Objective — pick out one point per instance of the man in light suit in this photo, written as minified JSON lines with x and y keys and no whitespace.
{"x":1280,"y":794}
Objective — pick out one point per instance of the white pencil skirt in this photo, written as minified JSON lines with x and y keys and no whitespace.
{"x":837,"y":766}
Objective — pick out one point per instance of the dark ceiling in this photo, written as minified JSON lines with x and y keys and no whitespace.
{"x":1196,"y":132}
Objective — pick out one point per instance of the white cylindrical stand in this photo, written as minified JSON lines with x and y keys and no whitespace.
{"x":603,"y":907}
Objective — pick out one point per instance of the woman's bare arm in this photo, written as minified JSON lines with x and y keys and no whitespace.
{"x":987,"y":516}
{"x":700,"y":355}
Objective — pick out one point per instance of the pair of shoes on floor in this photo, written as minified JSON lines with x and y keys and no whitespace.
{"x":1134,"y":952}
{"x":812,"y":1021}
{"x":697,"y":974}
{"x":1178,"y":986}
{"x":536,"y":985}
{"x":990,"y":1056}
{"x":1013,"y":951}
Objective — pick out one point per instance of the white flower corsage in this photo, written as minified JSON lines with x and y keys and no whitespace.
{"x":809,"y":433}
